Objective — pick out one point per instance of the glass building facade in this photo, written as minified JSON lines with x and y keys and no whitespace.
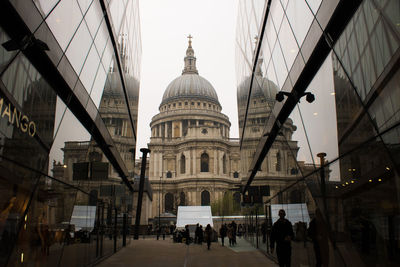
{"x":340,"y":152}
{"x":69,"y":88}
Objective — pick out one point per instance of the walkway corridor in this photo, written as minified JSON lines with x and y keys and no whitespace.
{"x":151,"y":252}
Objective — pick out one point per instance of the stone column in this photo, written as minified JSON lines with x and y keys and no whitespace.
{"x":215,"y":162}
{"x":160,"y":165}
{"x":178,"y":165}
{"x":194,"y":160}
{"x":189,"y":162}
{"x":151,"y":167}
{"x":180,"y":129}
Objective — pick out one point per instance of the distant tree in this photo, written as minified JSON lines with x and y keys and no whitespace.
{"x":225,"y":206}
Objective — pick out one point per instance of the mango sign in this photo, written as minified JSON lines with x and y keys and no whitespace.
{"x":16,"y":118}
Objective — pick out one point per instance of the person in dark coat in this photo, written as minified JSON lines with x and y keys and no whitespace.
{"x":197,"y":234}
{"x":208,"y":234}
{"x":187,"y":234}
{"x":282,"y":234}
{"x":222,"y":233}
{"x":264,"y":231}
{"x":234,"y":227}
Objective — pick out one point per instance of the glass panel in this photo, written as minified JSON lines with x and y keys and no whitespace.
{"x":78,"y":49}
{"x":45,"y":6}
{"x":279,"y":65}
{"x":276,"y":13}
{"x":98,"y":86}
{"x":314,"y":5}
{"x":84,"y":5}
{"x":4,"y":54}
{"x":64,"y":21}
{"x":89,"y":69}
{"x":94,"y":17}
{"x":392,"y":10}
{"x":300,"y":19}
{"x":385,"y":111}
{"x":101,"y":38}
{"x":288,"y":44}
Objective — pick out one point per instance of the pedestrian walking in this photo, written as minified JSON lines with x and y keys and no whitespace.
{"x":197,"y":234}
{"x":208,"y":234}
{"x":187,"y":234}
{"x":282,"y":234}
{"x":230,"y":234}
{"x":222,"y":233}
{"x":234,"y":227}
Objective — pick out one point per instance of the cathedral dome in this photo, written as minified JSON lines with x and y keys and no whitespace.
{"x":262,"y":87}
{"x":113,"y":86}
{"x":190,"y":85}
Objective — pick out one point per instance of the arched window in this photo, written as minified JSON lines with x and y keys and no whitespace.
{"x":278,"y":162}
{"x":169,"y":174}
{"x":224,"y":164}
{"x":182,"y":200}
{"x":169,"y":202}
{"x":183,"y":164}
{"x":204,"y":162}
{"x":205,"y":198}
{"x":235,"y":175}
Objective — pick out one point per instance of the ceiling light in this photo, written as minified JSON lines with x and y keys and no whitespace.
{"x":370,"y":180}
{"x":315,"y":113}
{"x":333,"y":93}
{"x":379,"y":180}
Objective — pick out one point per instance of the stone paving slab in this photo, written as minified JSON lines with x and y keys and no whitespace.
{"x":152,"y":252}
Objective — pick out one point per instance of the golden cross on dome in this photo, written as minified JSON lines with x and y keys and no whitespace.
{"x":190,"y":39}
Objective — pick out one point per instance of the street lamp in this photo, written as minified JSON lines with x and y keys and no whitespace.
{"x":159,"y":208}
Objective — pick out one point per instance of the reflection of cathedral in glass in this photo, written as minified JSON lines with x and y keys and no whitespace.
{"x":280,"y":167}
{"x":114,"y":112}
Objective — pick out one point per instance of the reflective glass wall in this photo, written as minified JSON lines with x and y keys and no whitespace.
{"x":69,"y":88}
{"x":336,"y":153}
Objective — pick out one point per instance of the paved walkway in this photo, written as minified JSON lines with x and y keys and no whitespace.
{"x":151,"y":252}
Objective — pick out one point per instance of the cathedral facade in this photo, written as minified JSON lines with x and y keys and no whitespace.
{"x":193,"y":160}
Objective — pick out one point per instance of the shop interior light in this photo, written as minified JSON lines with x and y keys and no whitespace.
{"x":387,"y":168}
{"x":370,"y":180}
{"x":379,"y":180}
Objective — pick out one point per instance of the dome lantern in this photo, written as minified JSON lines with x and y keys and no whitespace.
{"x":190,"y":59}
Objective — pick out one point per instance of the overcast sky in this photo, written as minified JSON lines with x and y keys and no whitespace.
{"x":165,"y":26}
